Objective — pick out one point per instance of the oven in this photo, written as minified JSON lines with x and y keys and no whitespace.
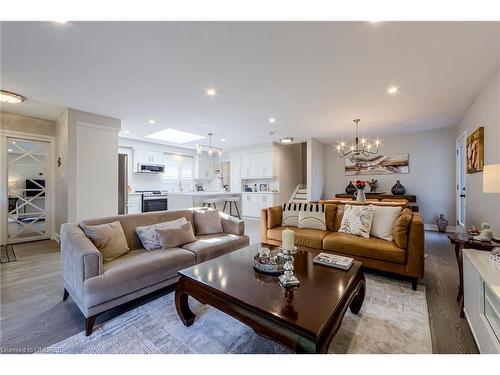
{"x":154,"y":203}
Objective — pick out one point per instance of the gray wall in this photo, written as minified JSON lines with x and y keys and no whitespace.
{"x":484,"y":111}
{"x":431,"y":174}
{"x":316,"y":169}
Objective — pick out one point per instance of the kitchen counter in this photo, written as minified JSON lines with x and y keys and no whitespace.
{"x":203,"y":193}
{"x":183,"y":199}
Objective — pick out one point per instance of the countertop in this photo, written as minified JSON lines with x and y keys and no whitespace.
{"x":488,"y":271}
{"x":203,"y":193}
{"x":260,"y":192}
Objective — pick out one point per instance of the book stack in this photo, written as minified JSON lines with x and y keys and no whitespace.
{"x":333,"y":260}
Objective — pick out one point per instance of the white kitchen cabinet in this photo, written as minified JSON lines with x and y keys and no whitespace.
{"x":235,"y":185}
{"x":147,"y":157}
{"x":258,"y":165}
{"x":134,"y":204}
{"x":203,"y":167}
{"x":252,"y":203}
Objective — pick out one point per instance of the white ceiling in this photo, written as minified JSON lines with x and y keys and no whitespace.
{"x":313,"y":77}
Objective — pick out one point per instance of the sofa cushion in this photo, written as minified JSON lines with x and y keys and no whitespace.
{"x":274,"y":216}
{"x":133,"y":271}
{"x":175,"y":236}
{"x":214,"y":245}
{"x":290,"y":214}
{"x":108,"y":238}
{"x":373,"y":248}
{"x":207,"y":222}
{"x":312,"y":216}
{"x":400,"y":228}
{"x":312,"y":238}
{"x":383,"y":221}
{"x":149,"y":236}
{"x":357,"y":220}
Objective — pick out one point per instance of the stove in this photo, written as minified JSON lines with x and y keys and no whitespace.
{"x":154,"y":200}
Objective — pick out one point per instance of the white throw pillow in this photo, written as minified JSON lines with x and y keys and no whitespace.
{"x":383,"y":221}
{"x":290,"y":214}
{"x":149,"y":237}
{"x":312,"y":216}
{"x":357,"y":220}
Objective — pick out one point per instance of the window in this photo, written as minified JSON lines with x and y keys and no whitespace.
{"x":179,"y":167}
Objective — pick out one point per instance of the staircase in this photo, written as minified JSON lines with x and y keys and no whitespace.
{"x":299,"y":195}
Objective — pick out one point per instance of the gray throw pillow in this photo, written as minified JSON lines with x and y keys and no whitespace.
{"x":109,"y":239}
{"x":207,"y":222}
{"x":175,"y":236}
{"x":149,"y":236}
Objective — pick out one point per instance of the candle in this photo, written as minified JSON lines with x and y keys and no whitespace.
{"x":287,"y":239}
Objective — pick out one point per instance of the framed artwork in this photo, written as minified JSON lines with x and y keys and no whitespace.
{"x":379,"y":164}
{"x":475,"y":151}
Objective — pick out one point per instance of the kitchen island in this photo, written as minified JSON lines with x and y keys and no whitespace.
{"x":182,"y":200}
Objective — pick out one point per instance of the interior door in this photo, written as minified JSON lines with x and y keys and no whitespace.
{"x":461,"y":162}
{"x":27,"y":190}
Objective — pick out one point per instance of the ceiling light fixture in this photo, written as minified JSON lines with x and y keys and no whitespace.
{"x":175,"y":136}
{"x":10,"y":150}
{"x":209,"y":148}
{"x":272,"y":120}
{"x":358,"y":149}
{"x":126,"y":131}
{"x":152,"y":122}
{"x":211,"y":92}
{"x":11,"y":97}
{"x":61,"y":21}
{"x":223,"y":139}
{"x":286,"y":140}
{"x":392,"y":90}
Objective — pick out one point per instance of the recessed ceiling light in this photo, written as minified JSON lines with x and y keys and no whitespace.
{"x":11,"y":97}
{"x":175,"y":136}
{"x":223,"y":139}
{"x":10,"y":150}
{"x":126,"y":131}
{"x":61,"y":21}
{"x":211,"y":92}
{"x":272,"y":120}
{"x":392,"y":90}
{"x":286,"y":140}
{"x":152,"y":122}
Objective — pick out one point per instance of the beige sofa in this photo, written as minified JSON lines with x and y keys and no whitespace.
{"x":96,"y":286}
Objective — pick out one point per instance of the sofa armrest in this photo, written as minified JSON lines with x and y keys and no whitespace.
{"x":263,"y":225}
{"x":232,"y":225}
{"x":80,"y":259}
{"x":415,"y":252}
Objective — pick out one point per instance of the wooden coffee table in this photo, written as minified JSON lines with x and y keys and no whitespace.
{"x":304,"y":319}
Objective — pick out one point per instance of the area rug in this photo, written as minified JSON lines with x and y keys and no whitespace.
{"x":7,"y":254}
{"x":393,"y":319}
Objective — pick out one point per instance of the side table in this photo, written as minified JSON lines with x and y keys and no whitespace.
{"x":465,"y":241}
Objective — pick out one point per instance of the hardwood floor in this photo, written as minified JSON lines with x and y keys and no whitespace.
{"x":33,"y":314}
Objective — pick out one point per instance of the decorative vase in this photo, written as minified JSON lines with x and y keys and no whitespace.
{"x":360,"y":195}
{"x":350,"y":189}
{"x":442,"y":223}
{"x":398,"y":189}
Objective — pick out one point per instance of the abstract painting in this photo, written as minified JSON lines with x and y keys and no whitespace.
{"x":380,"y":164}
{"x":475,"y":151}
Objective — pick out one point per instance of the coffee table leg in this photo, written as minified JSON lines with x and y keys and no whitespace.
{"x":182,"y":306}
{"x":359,"y":297}
{"x":459,"y":256}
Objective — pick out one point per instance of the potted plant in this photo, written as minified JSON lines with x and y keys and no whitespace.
{"x":360,"y":190}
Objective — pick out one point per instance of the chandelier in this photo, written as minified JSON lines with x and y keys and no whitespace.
{"x":209,"y":148}
{"x":360,"y":148}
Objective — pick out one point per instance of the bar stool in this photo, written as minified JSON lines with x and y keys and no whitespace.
{"x":211,"y":201}
{"x":232,"y":200}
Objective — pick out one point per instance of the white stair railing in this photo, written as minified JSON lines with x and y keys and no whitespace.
{"x":299,"y":194}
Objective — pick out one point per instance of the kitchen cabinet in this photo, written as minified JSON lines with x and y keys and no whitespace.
{"x":258,"y":165}
{"x":147,"y":157}
{"x":134,"y":204}
{"x":203,"y":167}
{"x":252,"y":203}
{"x":235,"y":185}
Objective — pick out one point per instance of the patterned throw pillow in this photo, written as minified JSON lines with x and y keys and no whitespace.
{"x":290,"y":214}
{"x":357,"y":220}
{"x":312,"y":216}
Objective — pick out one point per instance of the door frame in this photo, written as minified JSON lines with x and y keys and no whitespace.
{"x":50,"y":207}
{"x":460,"y":141}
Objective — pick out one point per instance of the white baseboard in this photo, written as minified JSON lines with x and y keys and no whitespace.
{"x":434,"y":228}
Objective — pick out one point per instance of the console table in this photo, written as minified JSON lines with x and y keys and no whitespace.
{"x":465,"y":241}
{"x":409,"y":198}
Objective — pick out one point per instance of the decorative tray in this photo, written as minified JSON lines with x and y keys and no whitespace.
{"x":272,"y":265}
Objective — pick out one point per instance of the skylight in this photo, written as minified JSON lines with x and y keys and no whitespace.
{"x":175,"y":136}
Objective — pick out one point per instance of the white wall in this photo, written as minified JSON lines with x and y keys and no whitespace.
{"x":316,"y":170}
{"x":431,"y":174}
{"x":26,"y":124}
{"x":484,"y":111}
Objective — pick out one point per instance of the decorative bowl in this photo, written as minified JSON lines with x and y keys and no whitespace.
{"x":272,"y":265}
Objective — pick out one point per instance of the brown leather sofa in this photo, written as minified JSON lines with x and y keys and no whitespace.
{"x":374,"y":253}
